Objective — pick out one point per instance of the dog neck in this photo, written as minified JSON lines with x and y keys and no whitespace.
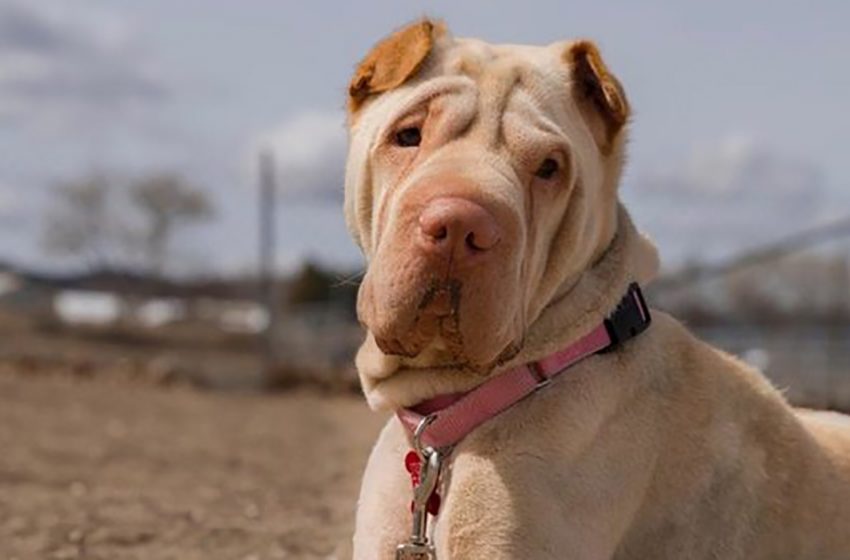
{"x":579,"y":306}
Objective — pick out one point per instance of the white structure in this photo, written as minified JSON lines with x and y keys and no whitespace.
{"x":78,"y":307}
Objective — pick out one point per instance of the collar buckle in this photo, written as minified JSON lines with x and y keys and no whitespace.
{"x":629,"y":319}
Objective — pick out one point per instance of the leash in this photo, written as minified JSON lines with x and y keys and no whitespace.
{"x":438,"y":424}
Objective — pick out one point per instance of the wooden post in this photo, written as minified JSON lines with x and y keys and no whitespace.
{"x":267,"y":272}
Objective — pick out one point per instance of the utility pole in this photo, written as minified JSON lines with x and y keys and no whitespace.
{"x":268,"y":246}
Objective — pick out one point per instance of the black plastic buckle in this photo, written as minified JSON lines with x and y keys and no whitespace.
{"x":629,"y":319}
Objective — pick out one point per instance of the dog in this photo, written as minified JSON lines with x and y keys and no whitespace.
{"x":482,"y":187}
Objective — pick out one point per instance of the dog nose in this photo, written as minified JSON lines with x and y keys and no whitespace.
{"x":458,"y":227}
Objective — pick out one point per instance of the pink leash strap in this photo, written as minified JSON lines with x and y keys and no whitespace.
{"x":453,"y":417}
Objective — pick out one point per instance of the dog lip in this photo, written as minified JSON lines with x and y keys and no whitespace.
{"x":457,"y":367}
{"x":440,"y":367}
{"x":394,"y":347}
{"x":441,"y":304}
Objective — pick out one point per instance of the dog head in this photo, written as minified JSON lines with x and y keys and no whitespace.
{"x":481,"y":181}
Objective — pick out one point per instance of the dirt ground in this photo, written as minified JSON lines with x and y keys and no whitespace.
{"x":96,"y":468}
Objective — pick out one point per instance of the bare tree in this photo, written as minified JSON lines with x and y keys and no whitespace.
{"x":78,"y":221}
{"x":104,"y":226}
{"x":166,"y":203}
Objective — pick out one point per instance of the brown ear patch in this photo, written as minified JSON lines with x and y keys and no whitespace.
{"x":392,"y":62}
{"x":597,"y":85}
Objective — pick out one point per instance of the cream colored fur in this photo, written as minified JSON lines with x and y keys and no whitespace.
{"x":664,"y":449}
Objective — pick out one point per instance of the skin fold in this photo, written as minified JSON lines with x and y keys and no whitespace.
{"x":665,"y":448}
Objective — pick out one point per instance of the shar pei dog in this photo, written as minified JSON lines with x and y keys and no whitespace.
{"x":542,"y":410}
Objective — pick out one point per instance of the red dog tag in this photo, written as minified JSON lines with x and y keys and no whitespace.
{"x":413,"y":465}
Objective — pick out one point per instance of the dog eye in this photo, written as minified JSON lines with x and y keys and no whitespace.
{"x":408,"y":137}
{"x":547,"y":169}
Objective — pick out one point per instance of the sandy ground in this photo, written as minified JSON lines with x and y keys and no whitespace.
{"x":102,"y":469}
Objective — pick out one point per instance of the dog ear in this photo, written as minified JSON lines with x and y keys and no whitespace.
{"x":598,"y":92}
{"x":392,"y":61}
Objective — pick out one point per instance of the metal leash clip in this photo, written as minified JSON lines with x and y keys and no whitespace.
{"x":418,"y":546}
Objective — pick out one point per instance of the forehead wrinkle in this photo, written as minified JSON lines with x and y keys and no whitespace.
{"x":496,"y":83}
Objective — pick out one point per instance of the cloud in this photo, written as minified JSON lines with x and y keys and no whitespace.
{"x":310,"y":151}
{"x":735,"y":167}
{"x":7,"y":201}
{"x":732,"y":196}
{"x":60,"y":68}
{"x":14,"y":210}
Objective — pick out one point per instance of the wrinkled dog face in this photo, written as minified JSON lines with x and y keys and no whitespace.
{"x":481,"y":181}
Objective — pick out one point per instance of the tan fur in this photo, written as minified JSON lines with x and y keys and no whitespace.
{"x":664,"y":449}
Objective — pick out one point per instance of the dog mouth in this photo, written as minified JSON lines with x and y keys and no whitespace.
{"x":435,"y":335}
{"x":435,"y":327}
{"x":430,"y":361}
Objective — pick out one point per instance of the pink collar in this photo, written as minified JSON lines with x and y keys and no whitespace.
{"x":446,"y":419}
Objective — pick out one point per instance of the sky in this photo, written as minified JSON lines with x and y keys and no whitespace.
{"x":739,"y":134}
